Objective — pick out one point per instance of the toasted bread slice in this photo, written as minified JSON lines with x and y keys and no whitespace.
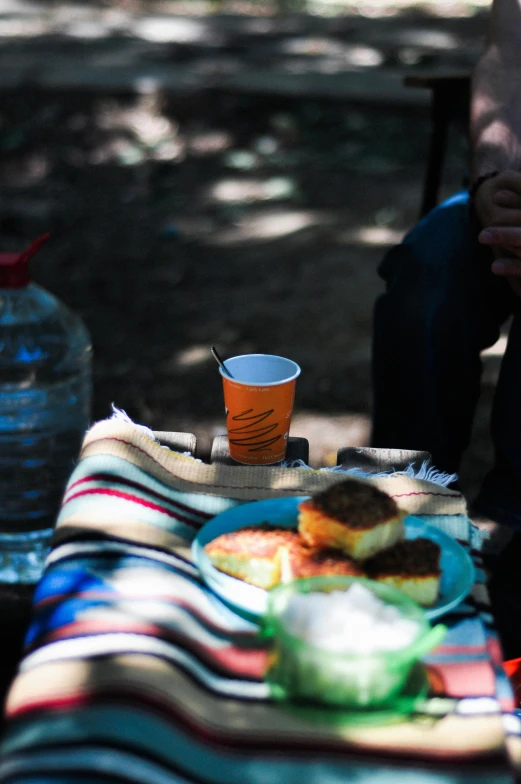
{"x":412,"y":566}
{"x":299,"y":560}
{"x":351,"y":516}
{"x":252,"y":553}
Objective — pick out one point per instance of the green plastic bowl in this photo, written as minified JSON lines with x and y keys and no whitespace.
{"x":302,"y":672}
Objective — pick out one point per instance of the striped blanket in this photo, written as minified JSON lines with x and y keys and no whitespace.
{"x":135,"y":672}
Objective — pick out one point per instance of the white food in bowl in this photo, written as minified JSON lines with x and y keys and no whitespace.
{"x":351,"y":622}
{"x":350,"y":644}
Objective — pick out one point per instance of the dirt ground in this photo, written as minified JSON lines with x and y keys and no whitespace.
{"x":251,"y":223}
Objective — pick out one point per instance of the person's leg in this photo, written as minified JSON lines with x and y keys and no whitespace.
{"x":500,"y":496}
{"x":504,"y":585}
{"x":499,"y":499}
{"x":441,"y":307}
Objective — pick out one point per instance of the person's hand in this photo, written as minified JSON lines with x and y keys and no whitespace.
{"x":505,"y":242}
{"x":498,"y":200}
{"x":498,"y":206}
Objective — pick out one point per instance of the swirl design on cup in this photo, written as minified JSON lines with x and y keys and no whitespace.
{"x":250,"y":433}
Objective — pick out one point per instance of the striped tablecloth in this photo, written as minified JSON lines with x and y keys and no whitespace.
{"x":135,"y":672}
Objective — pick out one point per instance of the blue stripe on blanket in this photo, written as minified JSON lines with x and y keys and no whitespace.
{"x":162,"y":740}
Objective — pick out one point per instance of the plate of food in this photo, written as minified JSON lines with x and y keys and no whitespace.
{"x":351,"y":529}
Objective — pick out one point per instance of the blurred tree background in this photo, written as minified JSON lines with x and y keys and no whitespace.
{"x":227,"y":172}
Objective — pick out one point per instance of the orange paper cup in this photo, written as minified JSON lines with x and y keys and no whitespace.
{"x":259,"y":403}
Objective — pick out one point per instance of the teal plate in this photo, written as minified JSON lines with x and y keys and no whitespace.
{"x":457,"y":569}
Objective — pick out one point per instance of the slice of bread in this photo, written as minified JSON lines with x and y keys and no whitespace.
{"x":412,"y":566}
{"x":351,"y":516}
{"x":252,"y":554}
{"x":299,"y":560}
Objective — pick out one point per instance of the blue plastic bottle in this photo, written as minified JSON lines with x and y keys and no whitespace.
{"x":45,"y":405}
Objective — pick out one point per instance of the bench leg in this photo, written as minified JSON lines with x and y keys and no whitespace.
{"x":437,"y":144}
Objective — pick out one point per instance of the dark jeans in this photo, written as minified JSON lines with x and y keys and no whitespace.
{"x":443,"y":306}
{"x":504,"y":585}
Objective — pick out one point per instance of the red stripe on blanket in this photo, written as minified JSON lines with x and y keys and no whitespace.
{"x":425,"y":492}
{"x":228,"y":661}
{"x":137,"y":486}
{"x":463,"y":679}
{"x":180,"y":602}
{"x":494,"y":649}
{"x":458,"y":650}
{"x":134,"y":499}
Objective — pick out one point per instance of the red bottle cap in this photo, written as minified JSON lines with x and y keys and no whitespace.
{"x":14,"y":267}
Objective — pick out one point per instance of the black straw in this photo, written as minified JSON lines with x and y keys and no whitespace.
{"x":220,"y":362}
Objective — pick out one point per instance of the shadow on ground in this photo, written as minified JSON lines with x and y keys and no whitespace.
{"x":252,"y":222}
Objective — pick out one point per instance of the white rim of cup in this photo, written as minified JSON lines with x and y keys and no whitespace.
{"x":295,"y":375}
